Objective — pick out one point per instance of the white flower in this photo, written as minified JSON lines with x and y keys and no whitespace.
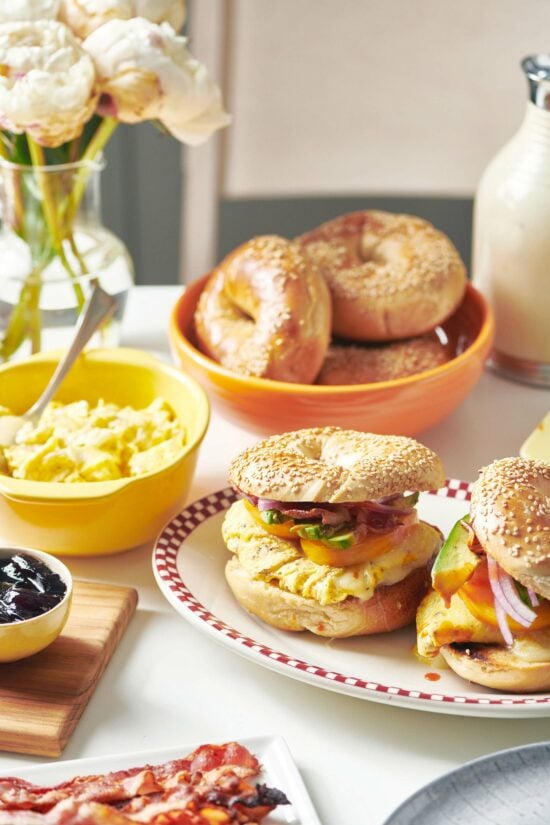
{"x":84,"y":16}
{"x":19,"y":10}
{"x":146,"y":73}
{"x":47,"y":81}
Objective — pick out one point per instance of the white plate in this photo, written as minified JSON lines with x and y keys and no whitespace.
{"x":188,"y":563}
{"x":279,"y":771}
{"x":508,"y":787}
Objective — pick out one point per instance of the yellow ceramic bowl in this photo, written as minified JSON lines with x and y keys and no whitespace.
{"x":18,"y":640}
{"x":94,"y":518}
{"x":405,"y":406}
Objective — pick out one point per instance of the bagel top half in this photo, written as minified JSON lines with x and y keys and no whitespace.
{"x":510,"y":513}
{"x":328,"y":464}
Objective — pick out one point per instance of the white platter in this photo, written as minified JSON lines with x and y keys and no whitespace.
{"x":279,"y":771}
{"x":188,"y":563}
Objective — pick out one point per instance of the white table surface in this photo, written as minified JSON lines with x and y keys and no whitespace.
{"x":168,"y":683}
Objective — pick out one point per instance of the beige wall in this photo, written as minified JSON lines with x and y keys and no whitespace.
{"x":368,"y":96}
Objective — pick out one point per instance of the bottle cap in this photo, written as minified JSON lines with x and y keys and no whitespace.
{"x":537,"y":70}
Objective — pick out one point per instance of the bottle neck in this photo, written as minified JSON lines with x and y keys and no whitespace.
{"x":536,"y":124}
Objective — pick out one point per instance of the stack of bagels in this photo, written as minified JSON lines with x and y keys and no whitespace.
{"x":353,"y":301}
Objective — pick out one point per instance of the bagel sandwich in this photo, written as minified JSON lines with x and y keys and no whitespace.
{"x":325,"y":536}
{"x":488,"y":615}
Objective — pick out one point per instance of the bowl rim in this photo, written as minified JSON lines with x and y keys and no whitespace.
{"x":31,"y":490}
{"x":55,"y":565}
{"x":482,"y":340}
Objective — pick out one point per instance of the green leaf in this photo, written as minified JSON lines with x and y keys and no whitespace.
{"x":89,"y":130}
{"x":20,"y":152}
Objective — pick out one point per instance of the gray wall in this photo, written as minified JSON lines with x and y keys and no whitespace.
{"x":142,"y":203}
{"x":141,"y":191}
{"x":242,"y":219}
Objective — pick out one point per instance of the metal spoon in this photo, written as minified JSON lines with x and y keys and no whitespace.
{"x":99,"y":306}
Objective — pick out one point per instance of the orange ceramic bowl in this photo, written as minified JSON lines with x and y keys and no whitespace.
{"x":404,"y":406}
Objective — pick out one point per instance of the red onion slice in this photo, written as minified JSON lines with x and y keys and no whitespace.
{"x":503,"y":624}
{"x":506,"y":601}
{"x":513,"y":599}
{"x":268,"y":504}
{"x":377,"y":507}
{"x":533,"y":598}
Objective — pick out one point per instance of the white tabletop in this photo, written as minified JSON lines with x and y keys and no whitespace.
{"x":169,"y":684}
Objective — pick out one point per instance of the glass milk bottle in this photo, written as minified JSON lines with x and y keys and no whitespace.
{"x":511,"y":238}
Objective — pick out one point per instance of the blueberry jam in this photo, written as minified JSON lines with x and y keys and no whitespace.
{"x":28,"y":588}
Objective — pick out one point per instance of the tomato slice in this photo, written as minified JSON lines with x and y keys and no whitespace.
{"x":478,"y":597}
{"x":281,"y":530}
{"x":319,"y":552}
{"x":372,"y":547}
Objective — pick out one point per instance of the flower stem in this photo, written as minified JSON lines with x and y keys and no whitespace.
{"x":48,"y":204}
{"x":18,"y":218}
{"x":94,"y":148}
{"x":24,"y":320}
{"x":52,"y":218}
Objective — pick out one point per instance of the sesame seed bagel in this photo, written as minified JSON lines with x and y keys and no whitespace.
{"x":328,"y":464}
{"x":390,"y":276}
{"x":266,"y":311}
{"x":510,"y":513}
{"x":501,"y":668}
{"x":354,"y":364}
{"x":391,"y":606}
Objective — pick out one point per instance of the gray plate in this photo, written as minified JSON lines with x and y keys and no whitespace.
{"x":510,"y":787}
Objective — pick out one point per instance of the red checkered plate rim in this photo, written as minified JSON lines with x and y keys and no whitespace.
{"x":165,"y":568}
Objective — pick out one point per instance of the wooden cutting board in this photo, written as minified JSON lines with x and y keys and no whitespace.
{"x":42,"y":697}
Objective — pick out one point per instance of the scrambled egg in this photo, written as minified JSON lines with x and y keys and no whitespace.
{"x":79,"y":442}
{"x":438,"y":625}
{"x":272,"y":559}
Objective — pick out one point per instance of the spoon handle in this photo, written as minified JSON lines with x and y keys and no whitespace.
{"x":99,"y":307}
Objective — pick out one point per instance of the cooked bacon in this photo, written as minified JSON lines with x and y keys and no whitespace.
{"x":111,"y":787}
{"x":207,"y":804}
{"x":333,"y":517}
{"x":206,"y":788}
{"x":380,"y":516}
{"x":208,"y":757}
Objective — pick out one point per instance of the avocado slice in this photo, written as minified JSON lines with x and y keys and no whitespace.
{"x":326,"y":534}
{"x":455,"y":563}
{"x":272,"y":517}
{"x":340,"y":542}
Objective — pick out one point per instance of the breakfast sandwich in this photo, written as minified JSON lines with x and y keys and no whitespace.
{"x":325,"y":536}
{"x":489,"y":613}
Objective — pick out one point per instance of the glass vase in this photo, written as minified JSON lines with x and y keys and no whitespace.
{"x":53,"y":249}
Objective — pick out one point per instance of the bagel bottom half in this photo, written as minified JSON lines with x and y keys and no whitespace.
{"x":391,"y":606}
{"x":495,"y":666}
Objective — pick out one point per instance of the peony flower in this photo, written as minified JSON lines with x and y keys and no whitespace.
{"x":145,"y":72}
{"x":47,"y":81}
{"x":84,"y":16}
{"x":18,"y":10}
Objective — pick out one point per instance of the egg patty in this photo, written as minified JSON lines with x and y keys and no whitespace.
{"x":269,"y":558}
{"x":438,"y":625}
